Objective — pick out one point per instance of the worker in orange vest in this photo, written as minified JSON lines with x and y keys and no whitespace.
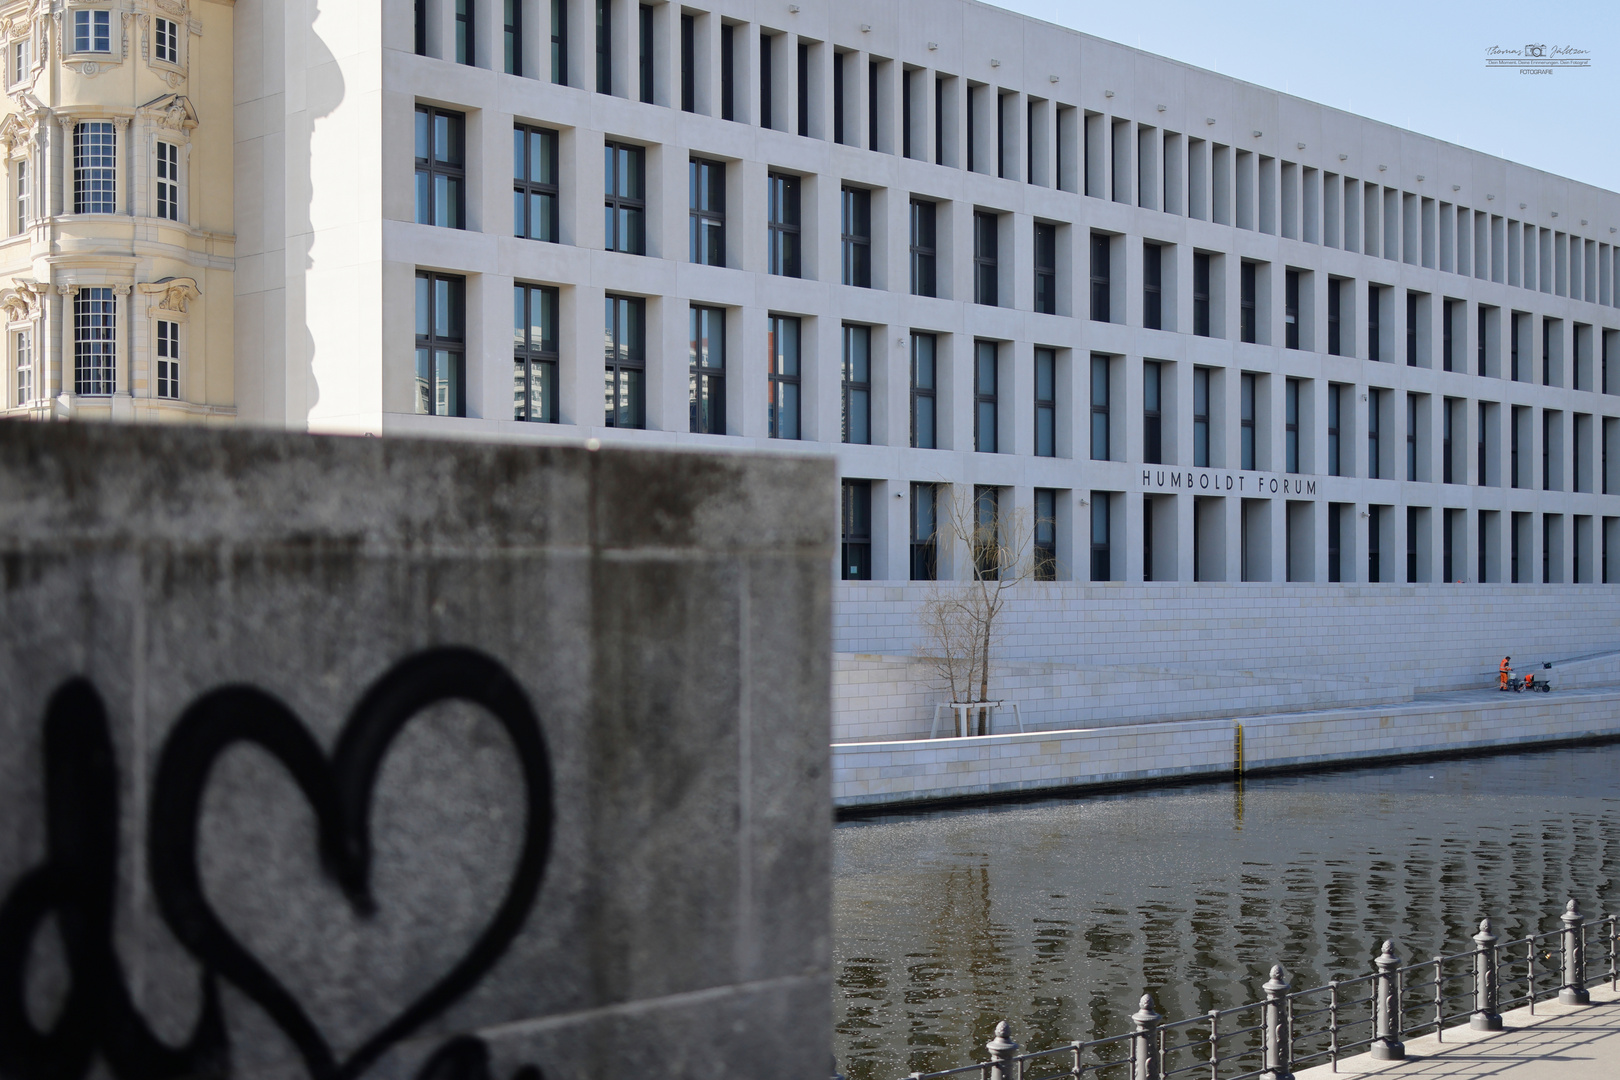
{"x":1506,"y":670}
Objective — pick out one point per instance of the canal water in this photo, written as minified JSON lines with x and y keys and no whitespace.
{"x":1057,"y":915}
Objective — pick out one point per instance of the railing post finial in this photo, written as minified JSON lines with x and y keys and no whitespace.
{"x":1573,"y":991}
{"x":1279,"y":1040}
{"x":1387,"y":1045}
{"x":1486,"y":985}
{"x":1001,"y":1048}
{"x":1145,"y":1043}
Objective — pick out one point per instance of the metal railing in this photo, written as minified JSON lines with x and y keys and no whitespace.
{"x":1293,"y":1028}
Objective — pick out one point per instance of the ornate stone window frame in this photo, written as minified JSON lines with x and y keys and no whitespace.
{"x":91,"y":64}
{"x":171,"y":119}
{"x":18,"y":141}
{"x":175,"y":11}
{"x":170,"y":300}
{"x":24,"y":306}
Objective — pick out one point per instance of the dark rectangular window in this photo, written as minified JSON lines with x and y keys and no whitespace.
{"x":872,"y":71}
{"x":1447,"y":313}
{"x":95,"y":337}
{"x":168,"y":363}
{"x":857,"y":530}
{"x":706,"y":377}
{"x":782,"y":409}
{"x":440,"y":168}
{"x":986,"y":385}
{"x":1101,"y":277}
{"x":782,"y":205}
{"x":1246,"y":311}
{"x":1546,"y":548}
{"x":1045,"y":568}
{"x":1291,"y":309}
{"x":924,"y":532}
{"x":1546,"y":351}
{"x":625,"y":361}
{"x":1374,"y":407}
{"x":939,"y":121}
{"x":1045,"y":268}
{"x":1513,"y":445}
{"x":421,"y":28}
{"x":534,"y":183}
{"x":1201,"y":294}
{"x":923,"y":248}
{"x":1291,"y":422}
{"x":857,"y":384}
{"x":972,"y":142}
{"x":728,"y":74}
{"x":924,"y":387}
{"x":1480,"y":449}
{"x":1246,"y":391}
{"x":766,"y":120}
{"x":441,"y":344}
{"x":1001,"y":134}
{"x":1374,"y":527}
{"x":559,"y":42}
{"x":1101,"y":533}
{"x":1374,"y":329}
{"x":1546,"y":452}
{"x":1101,"y":392}
{"x":1447,"y":528}
{"x":465,"y":38}
{"x":1152,"y":412}
{"x":95,"y":165}
{"x":1335,"y":524}
{"x":168,"y":183}
{"x":1152,"y":286}
{"x":855,"y":236}
{"x":1335,"y":307}
{"x":986,"y":546}
{"x":1513,"y":547}
{"x":512,"y":30}
{"x":803,"y":71}
{"x":625,"y":198}
{"x":1334,"y":405}
{"x":604,"y":46}
{"x":688,"y":63}
{"x":1147,"y":538}
{"x":706,"y":193}
{"x":534,"y":353}
{"x":1479,"y":348}
{"x":645,"y":36}
{"x":839,"y":97}
{"x":986,"y":268}
{"x":905,"y":113}
{"x":1045,"y":402}
{"x":1200,"y":418}
{"x":1411,"y":436}
{"x":1445,"y":447}
{"x":1513,"y":345}
{"x":1411,"y":328}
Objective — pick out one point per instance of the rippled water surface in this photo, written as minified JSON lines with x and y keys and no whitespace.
{"x":1057,"y":915}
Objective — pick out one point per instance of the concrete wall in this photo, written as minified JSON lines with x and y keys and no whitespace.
{"x":558,"y":718}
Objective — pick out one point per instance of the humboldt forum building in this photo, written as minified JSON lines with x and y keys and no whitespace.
{"x":1305,"y":410}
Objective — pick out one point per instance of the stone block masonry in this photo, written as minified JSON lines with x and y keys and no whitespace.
{"x":327,"y":756}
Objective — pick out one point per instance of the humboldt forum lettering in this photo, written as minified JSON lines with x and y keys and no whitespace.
{"x":1239,"y":483}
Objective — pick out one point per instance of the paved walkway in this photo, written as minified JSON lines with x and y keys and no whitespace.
{"x":1557,"y":1043}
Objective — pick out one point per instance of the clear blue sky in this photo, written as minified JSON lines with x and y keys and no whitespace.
{"x":1419,"y":65}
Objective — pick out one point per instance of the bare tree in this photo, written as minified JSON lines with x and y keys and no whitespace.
{"x":961,"y":619}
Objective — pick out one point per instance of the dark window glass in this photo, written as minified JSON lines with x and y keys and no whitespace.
{"x":168,"y":182}
{"x":534,"y":183}
{"x":986,"y":546}
{"x":625,"y":199}
{"x":905,"y":113}
{"x":1291,"y":420}
{"x":440,"y":168}
{"x":1411,"y":543}
{"x":559,"y":42}
{"x":1246,"y":421}
{"x":534,"y":353}
{"x":924,"y":532}
{"x":1479,"y":348}
{"x":706,"y":376}
{"x":1546,"y":452}
{"x":1045,"y":268}
{"x":706,"y":194}
{"x":1334,"y":404}
{"x":1101,"y":273}
{"x":939,"y":121}
{"x":1546,"y":352}
{"x":1411,"y":329}
{"x":421,"y":28}
{"x":1447,"y":314}
{"x":441,"y":345}
{"x":1335,"y":525}
{"x":1045,"y":402}
{"x":1411,"y":437}
{"x":1045,"y":568}
{"x":168,"y":365}
{"x":465,"y":37}
{"x":1513,"y":346}
{"x":1101,"y":378}
{"x":512,"y":31}
{"x":872,"y":70}
{"x":972,"y":141}
{"x":95,"y":167}
{"x":92,"y":31}
{"x":728,"y":74}
{"x":1447,"y":473}
{"x":923,"y":250}
{"x":1246,"y":291}
{"x":1201,"y":294}
{"x":804,"y":88}
{"x":1147,"y":538}
{"x":1152,"y":412}
{"x":765,"y":94}
{"x":1101,"y":532}
{"x":783,"y":209}
{"x":625,"y":362}
{"x":857,"y":384}
{"x":688,"y":63}
{"x":856,"y":236}
{"x":1200,"y":413}
{"x":923,"y":391}
{"x":1480,"y":463}
{"x":1333,"y":299}
{"x":644,"y":36}
{"x":95,"y":341}
{"x":986,"y":381}
{"x":1152,"y":286}
{"x":604,"y":46}
{"x":857,"y":530}
{"x":782,"y":411}
{"x":839,"y":97}
{"x":1291,"y":310}
{"x":1374,"y":315}
{"x":1374,"y":528}
{"x":1374,"y":403}
{"x":986,"y":269}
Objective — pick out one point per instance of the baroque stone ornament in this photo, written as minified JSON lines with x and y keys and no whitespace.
{"x":24,"y":300}
{"x":173,"y":111}
{"x":173,"y":294}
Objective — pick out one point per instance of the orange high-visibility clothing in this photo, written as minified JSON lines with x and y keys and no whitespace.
{"x":1505,"y":671}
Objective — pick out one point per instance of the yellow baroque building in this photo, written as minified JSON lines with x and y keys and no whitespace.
{"x":116,"y":263}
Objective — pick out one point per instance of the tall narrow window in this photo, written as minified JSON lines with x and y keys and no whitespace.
{"x":924,"y":532}
{"x":1445,"y":447}
{"x":95,"y":165}
{"x":1101,"y":275}
{"x":441,"y":344}
{"x":1200,"y":294}
{"x":1375,"y":526}
{"x":1291,"y":420}
{"x":20,"y":60}
{"x":802,"y":69}
{"x":939,"y":120}
{"x":1101,"y":392}
{"x":1291,"y":310}
{"x":857,"y":530}
{"x":1152,"y":286}
{"x":872,"y":77}
{"x":534,"y":183}
{"x":625,"y":199}
{"x":20,"y":169}
{"x":923,"y":249}
{"x":95,"y":341}
{"x":1045,"y":268}
{"x":905,"y":113}
{"x":440,"y":168}
{"x":1514,"y":322}
{"x":604,"y":46}
{"x":783,"y":225}
{"x":1246,"y":312}
{"x":168,"y":359}
{"x":1479,"y":348}
{"x":1334,"y":404}
{"x":782,"y":410}
{"x":625,"y":361}
{"x":465,"y":34}
{"x":1374,"y":407}
{"x":688,"y":63}
{"x":1246,"y":421}
{"x":512,"y":36}
{"x":1374,"y":324}
{"x":986,"y":265}
{"x":839,"y":96}
{"x":1447,"y":313}
{"x":856,"y":236}
{"x":986,"y":400}
{"x":165,"y":41}
{"x":1411,"y":328}
{"x":1045,"y":402}
{"x":92,"y":31}
{"x":986,"y":546}
{"x":857,"y":384}
{"x":1045,"y":568}
{"x":1480,"y":459}
{"x":728,"y":74}
{"x":1200,"y":418}
{"x":1335,"y":524}
{"x":1411,"y":436}
{"x":972,"y":158}
{"x":168,"y":181}
{"x":923,"y":391}
{"x":25,"y":366}
{"x":644,"y":37}
{"x":706,"y":379}
{"x":706,"y":190}
{"x":765,"y":77}
{"x":559,"y":42}
{"x":421,"y":27}
{"x":1546,"y":351}
{"x":1101,"y":537}
{"x":534,"y":353}
{"x":1152,"y":412}
{"x":1334,"y":309}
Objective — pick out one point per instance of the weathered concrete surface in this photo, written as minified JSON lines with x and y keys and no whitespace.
{"x":665,"y":616}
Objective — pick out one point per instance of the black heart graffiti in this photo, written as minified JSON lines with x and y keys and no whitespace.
{"x":76,"y":882}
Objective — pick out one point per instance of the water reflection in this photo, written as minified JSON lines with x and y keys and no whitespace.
{"x":1057,"y":915}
